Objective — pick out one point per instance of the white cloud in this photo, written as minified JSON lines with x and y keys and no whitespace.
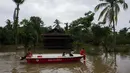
{"x":49,"y":10}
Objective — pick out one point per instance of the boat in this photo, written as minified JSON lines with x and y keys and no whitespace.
{"x":52,"y":58}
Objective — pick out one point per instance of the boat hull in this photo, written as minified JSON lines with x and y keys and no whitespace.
{"x":53,"y":60}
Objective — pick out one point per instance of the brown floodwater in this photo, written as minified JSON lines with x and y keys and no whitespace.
{"x":10,"y":63}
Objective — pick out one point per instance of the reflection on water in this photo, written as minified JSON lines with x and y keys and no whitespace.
{"x":106,"y":63}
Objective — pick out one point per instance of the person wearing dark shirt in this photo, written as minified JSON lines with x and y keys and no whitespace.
{"x":63,"y":54}
{"x":71,"y":52}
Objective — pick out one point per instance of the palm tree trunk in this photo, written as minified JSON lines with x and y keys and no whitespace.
{"x":114,"y":47}
{"x":114,"y":37}
{"x":16,"y":27}
{"x":114,"y":31}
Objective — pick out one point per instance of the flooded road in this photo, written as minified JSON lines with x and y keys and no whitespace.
{"x":9,"y":63}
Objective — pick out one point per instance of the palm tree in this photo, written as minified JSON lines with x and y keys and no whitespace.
{"x":66,"y":27}
{"x":16,"y":16}
{"x":57,"y":24}
{"x":9,"y":24}
{"x":111,"y":9}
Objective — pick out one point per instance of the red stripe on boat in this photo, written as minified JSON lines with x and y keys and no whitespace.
{"x":39,"y":56}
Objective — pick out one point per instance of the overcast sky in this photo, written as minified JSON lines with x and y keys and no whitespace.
{"x":49,"y":10}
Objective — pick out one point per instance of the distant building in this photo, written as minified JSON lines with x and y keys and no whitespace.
{"x":57,"y":39}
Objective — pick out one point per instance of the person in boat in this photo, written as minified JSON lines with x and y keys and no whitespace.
{"x":63,"y":54}
{"x":28,"y":54}
{"x":82,"y":52}
{"x":71,"y":52}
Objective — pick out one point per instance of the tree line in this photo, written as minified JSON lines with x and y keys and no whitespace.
{"x":82,"y":30}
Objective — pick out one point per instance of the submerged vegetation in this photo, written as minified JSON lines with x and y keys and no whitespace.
{"x":83,"y":30}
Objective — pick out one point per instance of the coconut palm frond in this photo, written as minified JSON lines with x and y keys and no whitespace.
{"x":16,"y":1}
{"x":103,"y":12}
{"x":22,"y":1}
{"x":110,"y":13}
{"x":106,"y":16}
{"x":125,"y":6}
{"x":57,"y":22}
{"x":100,"y":6}
{"x":122,"y":2}
{"x":19,"y":1}
{"x":101,"y":0}
{"x":110,"y":16}
{"x":117,"y":10}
